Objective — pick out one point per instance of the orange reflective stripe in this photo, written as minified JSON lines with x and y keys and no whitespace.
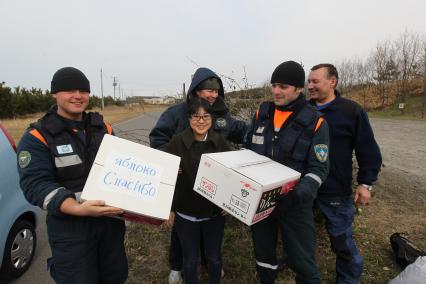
{"x":257,"y":114}
{"x":108,"y":127}
{"x":319,"y":122}
{"x":280,"y":117}
{"x":37,"y":135}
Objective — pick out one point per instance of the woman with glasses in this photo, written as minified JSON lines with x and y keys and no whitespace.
{"x":194,"y":217}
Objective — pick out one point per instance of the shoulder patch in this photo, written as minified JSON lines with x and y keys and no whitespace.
{"x":321,"y":152}
{"x":221,"y":122}
{"x":24,"y":159}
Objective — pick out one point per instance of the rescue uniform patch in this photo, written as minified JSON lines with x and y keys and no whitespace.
{"x":64,"y":149}
{"x":221,"y":122}
{"x":321,"y":151}
{"x":24,"y":159}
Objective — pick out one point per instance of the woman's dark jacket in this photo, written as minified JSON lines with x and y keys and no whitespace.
{"x":184,"y":145}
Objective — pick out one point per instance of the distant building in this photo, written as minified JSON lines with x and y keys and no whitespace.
{"x":155,"y":100}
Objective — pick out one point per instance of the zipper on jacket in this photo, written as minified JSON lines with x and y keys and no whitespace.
{"x":274,"y":138}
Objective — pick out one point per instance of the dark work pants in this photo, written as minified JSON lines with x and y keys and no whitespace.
{"x":175,"y":252}
{"x":339,"y":213}
{"x":190,"y":233}
{"x":87,"y":250}
{"x":298,"y":237}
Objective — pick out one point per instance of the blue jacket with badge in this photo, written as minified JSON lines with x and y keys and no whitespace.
{"x":350,"y":130}
{"x":301,"y":143}
{"x":55,"y":156}
{"x":175,"y":119}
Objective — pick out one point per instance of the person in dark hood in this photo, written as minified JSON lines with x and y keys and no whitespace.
{"x":207,"y":85}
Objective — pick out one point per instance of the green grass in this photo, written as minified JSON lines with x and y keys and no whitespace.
{"x":412,"y":110}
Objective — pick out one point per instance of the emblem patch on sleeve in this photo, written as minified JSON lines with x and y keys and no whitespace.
{"x":321,"y":151}
{"x":24,"y":159}
{"x":221,"y":122}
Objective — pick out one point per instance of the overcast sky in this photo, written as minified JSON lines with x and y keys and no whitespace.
{"x":152,"y":47}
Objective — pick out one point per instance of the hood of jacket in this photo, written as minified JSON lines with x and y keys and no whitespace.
{"x":200,"y":75}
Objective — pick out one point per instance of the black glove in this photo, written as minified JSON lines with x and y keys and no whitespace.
{"x":284,"y":203}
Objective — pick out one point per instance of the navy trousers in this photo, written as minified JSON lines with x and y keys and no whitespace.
{"x":190,"y":234}
{"x":298,"y":237}
{"x":87,"y":250}
{"x":339,"y":213}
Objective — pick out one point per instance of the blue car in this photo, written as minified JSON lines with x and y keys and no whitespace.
{"x":18,"y":219}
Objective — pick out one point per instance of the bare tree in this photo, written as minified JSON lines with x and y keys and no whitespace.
{"x":408,"y":48}
{"x":384,"y":69}
{"x":347,"y":74}
{"x":364,"y":78}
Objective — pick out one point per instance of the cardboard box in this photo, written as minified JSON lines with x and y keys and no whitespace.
{"x":243,"y":183}
{"x":136,"y":178}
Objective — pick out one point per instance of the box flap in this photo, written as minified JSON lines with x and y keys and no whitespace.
{"x":238,"y":159}
{"x":271,"y":174}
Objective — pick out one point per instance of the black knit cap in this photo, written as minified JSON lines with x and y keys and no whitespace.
{"x":289,"y":73}
{"x":67,"y":79}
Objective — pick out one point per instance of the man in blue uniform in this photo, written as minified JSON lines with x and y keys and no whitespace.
{"x":291,"y":132}
{"x":207,"y":85}
{"x":54,"y":159}
{"x":350,"y":131}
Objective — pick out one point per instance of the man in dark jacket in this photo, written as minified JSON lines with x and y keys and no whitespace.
{"x":207,"y":85}
{"x":349,"y":130}
{"x":291,"y":132}
{"x":54,"y":157}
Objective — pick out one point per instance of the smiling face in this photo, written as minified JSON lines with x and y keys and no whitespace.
{"x":321,"y":86}
{"x":200,"y":122}
{"x":72,"y":104}
{"x":284,"y":94}
{"x":208,"y":95}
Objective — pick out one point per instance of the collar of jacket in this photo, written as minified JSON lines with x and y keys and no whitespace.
{"x":219,"y":107}
{"x":333,"y":105}
{"x":58,"y":123}
{"x":188,"y":137}
{"x":295,"y":105}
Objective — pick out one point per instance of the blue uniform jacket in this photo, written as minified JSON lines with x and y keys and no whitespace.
{"x":350,"y":130}
{"x":38,"y":178}
{"x":175,"y":119}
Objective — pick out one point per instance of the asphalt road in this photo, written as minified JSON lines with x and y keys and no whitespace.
{"x":135,"y":129}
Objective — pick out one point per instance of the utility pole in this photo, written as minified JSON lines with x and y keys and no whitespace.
{"x":102,"y":92}
{"x":114,"y":84}
{"x":183,"y":92}
{"x":119,"y":92}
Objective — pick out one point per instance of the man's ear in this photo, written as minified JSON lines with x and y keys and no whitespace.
{"x":333,"y":81}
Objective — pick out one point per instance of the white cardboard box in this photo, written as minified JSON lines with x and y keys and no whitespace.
{"x":133,"y":177}
{"x":243,"y":183}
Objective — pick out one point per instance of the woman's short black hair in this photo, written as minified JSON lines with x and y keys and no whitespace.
{"x":197,"y":102}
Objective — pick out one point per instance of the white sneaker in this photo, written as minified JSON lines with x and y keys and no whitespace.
{"x":175,"y":277}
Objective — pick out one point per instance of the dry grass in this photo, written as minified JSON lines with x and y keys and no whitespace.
{"x":112,"y":114}
{"x":396,"y":207}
